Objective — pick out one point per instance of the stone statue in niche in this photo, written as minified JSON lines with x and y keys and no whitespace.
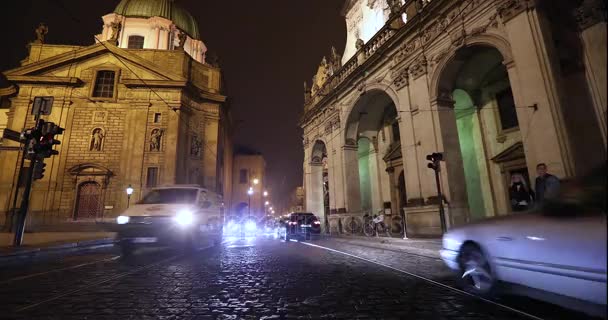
{"x":195,"y":146}
{"x":41,"y":32}
{"x":155,"y":139}
{"x":96,"y":140}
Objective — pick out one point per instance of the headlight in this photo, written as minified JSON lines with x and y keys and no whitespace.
{"x":122,"y":219}
{"x":250,"y":226}
{"x":184,"y":218}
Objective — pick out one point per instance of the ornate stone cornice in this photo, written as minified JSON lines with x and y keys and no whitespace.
{"x":418,"y":68}
{"x":590,"y":13}
{"x":509,"y":9}
{"x":400,"y":78}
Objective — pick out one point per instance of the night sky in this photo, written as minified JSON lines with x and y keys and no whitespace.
{"x":267,"y":48}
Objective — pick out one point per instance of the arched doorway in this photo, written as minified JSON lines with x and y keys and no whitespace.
{"x":487,"y":125}
{"x":372,"y":140}
{"x":88,"y":204}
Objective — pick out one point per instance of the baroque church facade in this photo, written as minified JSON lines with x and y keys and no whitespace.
{"x":497,"y":86}
{"x":142,"y":107}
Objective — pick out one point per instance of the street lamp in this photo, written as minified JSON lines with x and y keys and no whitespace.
{"x":249,"y":193}
{"x":265,"y":193}
{"x":129,"y":193}
{"x":256,"y":181}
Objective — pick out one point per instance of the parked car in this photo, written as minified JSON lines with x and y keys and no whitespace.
{"x":302,"y":225}
{"x":557,"y":250}
{"x":179,"y":215}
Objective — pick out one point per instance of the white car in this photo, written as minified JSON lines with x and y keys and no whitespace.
{"x":177,"y":214}
{"x":559,"y":249}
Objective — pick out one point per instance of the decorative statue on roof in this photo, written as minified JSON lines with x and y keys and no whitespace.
{"x":359,"y":44}
{"x":306,"y":92}
{"x":335,"y":60}
{"x":116,"y":27}
{"x":41,"y":32}
{"x":181,"y":36}
{"x":395,"y":7}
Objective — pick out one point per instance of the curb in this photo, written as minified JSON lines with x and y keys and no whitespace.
{"x":28,"y":253}
{"x":387,"y":244}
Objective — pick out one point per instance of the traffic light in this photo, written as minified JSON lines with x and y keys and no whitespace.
{"x":39,"y":168}
{"x":47,"y":140}
{"x":434,"y":159}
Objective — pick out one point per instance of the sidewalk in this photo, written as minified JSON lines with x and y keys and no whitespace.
{"x":47,"y":243}
{"x":425,"y":247}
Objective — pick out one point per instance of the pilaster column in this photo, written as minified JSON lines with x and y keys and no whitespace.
{"x":591,"y":17}
{"x":350,"y":163}
{"x":535,"y":84}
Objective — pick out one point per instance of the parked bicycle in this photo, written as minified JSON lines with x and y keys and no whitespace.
{"x":375,"y":226}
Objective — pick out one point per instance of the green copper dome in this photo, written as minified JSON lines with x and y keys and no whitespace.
{"x":160,"y":8}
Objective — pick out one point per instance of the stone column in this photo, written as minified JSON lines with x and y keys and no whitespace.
{"x":350,"y":163}
{"x":535,"y":85}
{"x":314,"y":198}
{"x":591,"y":16}
{"x":135,"y":144}
{"x":409,"y":139}
{"x":375,"y":179}
{"x":336,"y":171}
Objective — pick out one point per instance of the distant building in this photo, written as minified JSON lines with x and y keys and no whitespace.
{"x":497,"y":86}
{"x":141,"y":107}
{"x":248,"y":167}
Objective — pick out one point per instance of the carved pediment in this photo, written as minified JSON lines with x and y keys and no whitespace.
{"x":393,"y":152}
{"x":90,"y":169}
{"x":514,"y":152}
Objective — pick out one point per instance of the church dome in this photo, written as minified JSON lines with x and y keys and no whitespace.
{"x":167,"y":9}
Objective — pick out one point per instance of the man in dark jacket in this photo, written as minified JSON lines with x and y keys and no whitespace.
{"x":547,"y":185}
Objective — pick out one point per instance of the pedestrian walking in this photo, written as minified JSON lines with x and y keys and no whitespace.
{"x":547,"y":185}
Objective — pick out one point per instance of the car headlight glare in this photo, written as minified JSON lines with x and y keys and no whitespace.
{"x":122,"y":219}
{"x":184,"y":218}
{"x":250,"y":226}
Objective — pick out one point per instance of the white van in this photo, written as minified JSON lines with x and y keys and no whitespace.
{"x":176,"y":214}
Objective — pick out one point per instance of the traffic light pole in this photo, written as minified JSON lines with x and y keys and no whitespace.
{"x":441,"y":210}
{"x":25,"y":200}
{"x":20,"y":229}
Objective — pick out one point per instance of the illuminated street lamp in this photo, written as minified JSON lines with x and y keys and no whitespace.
{"x":266,"y":203}
{"x":265,"y":193}
{"x":256,"y":181}
{"x":129,"y":193}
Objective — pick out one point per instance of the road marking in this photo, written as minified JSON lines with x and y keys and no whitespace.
{"x":439,"y":284}
{"x":33,"y":275}
{"x":115,"y":277}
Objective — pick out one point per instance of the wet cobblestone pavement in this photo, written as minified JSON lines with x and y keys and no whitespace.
{"x":240,"y":279}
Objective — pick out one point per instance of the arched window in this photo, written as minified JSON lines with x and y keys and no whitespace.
{"x":136,"y":42}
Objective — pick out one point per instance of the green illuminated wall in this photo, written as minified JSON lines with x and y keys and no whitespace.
{"x":363,"y":154}
{"x":466,"y":121}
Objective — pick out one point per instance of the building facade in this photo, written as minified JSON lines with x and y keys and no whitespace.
{"x":248,"y":168}
{"x":141,"y":108}
{"x":497,"y":86}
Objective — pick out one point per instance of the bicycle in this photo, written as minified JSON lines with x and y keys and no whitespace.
{"x":374,"y":226}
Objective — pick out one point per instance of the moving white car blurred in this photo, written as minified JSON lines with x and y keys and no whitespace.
{"x":557,"y":251}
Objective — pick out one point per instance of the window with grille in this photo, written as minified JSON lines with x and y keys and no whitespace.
{"x":104,"y":84}
{"x":243,"y":176}
{"x":136,"y":42}
{"x":152,"y":179}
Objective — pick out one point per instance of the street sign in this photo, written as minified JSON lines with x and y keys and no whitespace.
{"x":42,"y":105}
{"x":11,"y":135}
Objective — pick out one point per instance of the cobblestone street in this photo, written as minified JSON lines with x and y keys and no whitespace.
{"x":240,"y":279}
